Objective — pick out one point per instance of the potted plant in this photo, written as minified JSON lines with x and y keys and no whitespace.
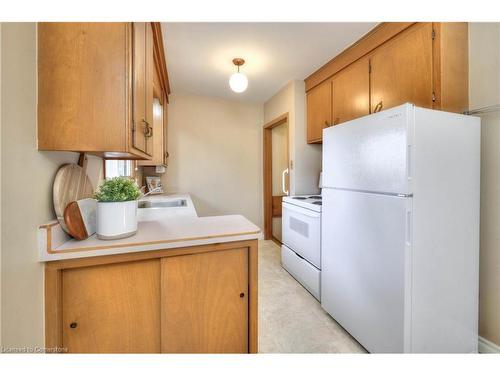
{"x":117,"y":208}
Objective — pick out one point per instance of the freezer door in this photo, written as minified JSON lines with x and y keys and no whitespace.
{"x":365,"y":257}
{"x":372,"y":153}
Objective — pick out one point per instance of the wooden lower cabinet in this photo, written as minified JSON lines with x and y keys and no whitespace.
{"x":200,"y":299}
{"x":198,"y":317}
{"x":112,"y":308}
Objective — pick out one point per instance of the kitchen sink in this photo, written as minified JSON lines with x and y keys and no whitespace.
{"x":163,"y":204}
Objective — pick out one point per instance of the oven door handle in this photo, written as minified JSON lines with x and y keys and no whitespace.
{"x":283,"y":181}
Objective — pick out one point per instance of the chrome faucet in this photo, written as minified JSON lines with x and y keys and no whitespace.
{"x":156,"y":189}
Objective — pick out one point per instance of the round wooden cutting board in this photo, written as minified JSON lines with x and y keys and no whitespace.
{"x":71,"y":184}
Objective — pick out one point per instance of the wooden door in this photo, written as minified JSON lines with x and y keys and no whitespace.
{"x":401,"y":70}
{"x":140,"y":126}
{"x":351,"y":92}
{"x":112,"y":308}
{"x":319,"y":111}
{"x":204,"y":300}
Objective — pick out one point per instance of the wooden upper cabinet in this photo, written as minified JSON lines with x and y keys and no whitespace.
{"x":319,"y":111}
{"x":351,"y":92}
{"x":422,"y":63}
{"x":140,"y":128}
{"x":95,"y":87}
{"x":401,"y":70}
{"x":205,"y":303}
{"x":143,"y":66}
{"x":159,"y":125}
{"x":112,"y":308}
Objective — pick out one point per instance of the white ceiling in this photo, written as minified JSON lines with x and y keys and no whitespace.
{"x":199,"y":55}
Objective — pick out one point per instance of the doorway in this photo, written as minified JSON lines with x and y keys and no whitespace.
{"x":276,"y":174}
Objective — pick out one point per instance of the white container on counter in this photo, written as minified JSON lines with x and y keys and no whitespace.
{"x":116,"y":219}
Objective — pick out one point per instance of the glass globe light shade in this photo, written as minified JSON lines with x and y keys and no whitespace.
{"x":238,"y":82}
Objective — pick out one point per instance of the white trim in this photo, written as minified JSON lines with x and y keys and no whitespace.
{"x":486,"y":346}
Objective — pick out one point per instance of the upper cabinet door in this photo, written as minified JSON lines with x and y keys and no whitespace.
{"x":319,"y":111}
{"x":150,"y":68}
{"x":401,"y":70}
{"x":351,"y":92}
{"x":140,"y":128}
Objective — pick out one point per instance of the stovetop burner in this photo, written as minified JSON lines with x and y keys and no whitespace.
{"x":300,"y":198}
{"x":315,"y":197}
{"x":319,"y":203}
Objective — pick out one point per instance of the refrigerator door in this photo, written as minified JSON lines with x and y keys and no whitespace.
{"x":372,"y":153}
{"x":365,"y":258}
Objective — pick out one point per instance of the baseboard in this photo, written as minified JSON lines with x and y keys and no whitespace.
{"x":486,"y":346}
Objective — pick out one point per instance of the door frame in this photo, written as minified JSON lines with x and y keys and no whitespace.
{"x":268,"y":171}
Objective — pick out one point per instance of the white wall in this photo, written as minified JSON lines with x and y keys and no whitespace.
{"x":305,"y":159}
{"x":26,"y":190}
{"x":215,"y":148}
{"x":484,"y":86}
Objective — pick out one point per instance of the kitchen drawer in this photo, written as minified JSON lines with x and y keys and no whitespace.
{"x":304,"y":272}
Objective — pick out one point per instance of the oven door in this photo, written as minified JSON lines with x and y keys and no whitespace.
{"x":302,"y":232}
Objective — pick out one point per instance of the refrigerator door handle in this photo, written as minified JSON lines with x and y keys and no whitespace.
{"x":408,"y":162}
{"x":409,"y":226}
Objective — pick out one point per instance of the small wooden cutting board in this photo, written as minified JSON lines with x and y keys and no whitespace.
{"x":80,"y":218}
{"x":71,"y":184}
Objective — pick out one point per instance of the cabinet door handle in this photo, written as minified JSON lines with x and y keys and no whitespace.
{"x":378,"y":107}
{"x":148,"y":130}
{"x":73,"y":325}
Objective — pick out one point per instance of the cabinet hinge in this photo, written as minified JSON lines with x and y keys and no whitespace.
{"x":369,"y":68}
{"x":433,"y":96}
{"x":433,"y":34}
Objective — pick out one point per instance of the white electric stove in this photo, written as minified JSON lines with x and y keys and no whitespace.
{"x":301,"y":236}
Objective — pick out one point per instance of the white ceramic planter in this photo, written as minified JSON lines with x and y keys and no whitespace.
{"x":116,"y":219}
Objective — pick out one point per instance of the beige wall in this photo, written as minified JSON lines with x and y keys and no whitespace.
{"x":26,"y":185}
{"x":0,"y":184}
{"x":305,"y":159}
{"x":215,"y":148}
{"x":484,"y":83}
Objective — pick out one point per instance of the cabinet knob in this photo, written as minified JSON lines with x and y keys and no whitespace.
{"x":73,"y":325}
{"x":242,"y":295}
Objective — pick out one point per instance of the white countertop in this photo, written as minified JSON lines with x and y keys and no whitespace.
{"x":158,"y":228}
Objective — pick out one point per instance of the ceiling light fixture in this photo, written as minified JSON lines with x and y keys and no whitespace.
{"x":238,"y":81}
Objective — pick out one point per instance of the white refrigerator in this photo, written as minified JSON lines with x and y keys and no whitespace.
{"x":400,"y":230}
